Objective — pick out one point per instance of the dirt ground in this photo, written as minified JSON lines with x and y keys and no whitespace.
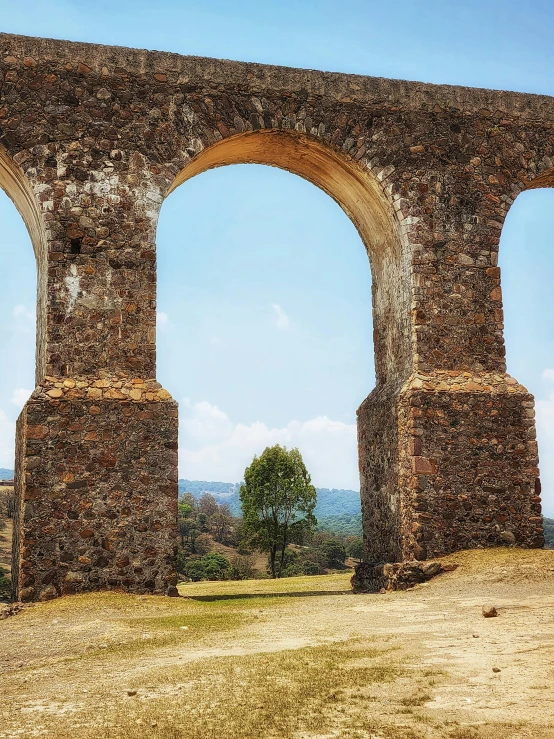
{"x":302,"y":658}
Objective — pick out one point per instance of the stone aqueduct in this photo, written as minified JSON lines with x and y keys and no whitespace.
{"x":93,"y":138}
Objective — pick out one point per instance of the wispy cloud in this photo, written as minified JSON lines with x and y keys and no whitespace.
{"x":21,"y":311}
{"x":280,"y":317}
{"x":20,"y":396}
{"x":24,"y":319}
{"x":162,"y":320}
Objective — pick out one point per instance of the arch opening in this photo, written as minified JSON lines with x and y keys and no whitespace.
{"x":17,"y":187}
{"x":18,"y":338}
{"x":362,"y":198}
{"x":525,"y":259}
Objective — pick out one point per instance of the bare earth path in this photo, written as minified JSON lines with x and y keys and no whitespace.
{"x":300,"y":658}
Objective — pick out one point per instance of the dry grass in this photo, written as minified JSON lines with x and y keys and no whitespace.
{"x":299,"y":658}
{"x":308,"y":692}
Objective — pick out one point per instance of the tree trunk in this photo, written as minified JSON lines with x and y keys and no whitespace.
{"x":272,"y":555}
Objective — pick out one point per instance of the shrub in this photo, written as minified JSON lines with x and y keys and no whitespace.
{"x":355,"y":549}
{"x":5,"y":585}
{"x":242,"y":567}
{"x":310,"y":568}
{"x":211,"y":566}
{"x":217,"y":566}
{"x":195,"y":570}
{"x":333,"y":552}
{"x":293,"y":570}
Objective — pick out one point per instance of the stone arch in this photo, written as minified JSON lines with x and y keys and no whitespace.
{"x":364,"y":199}
{"x":425,"y":172}
{"x":18,"y":188}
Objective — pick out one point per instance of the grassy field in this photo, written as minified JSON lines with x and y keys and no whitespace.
{"x":300,"y":658}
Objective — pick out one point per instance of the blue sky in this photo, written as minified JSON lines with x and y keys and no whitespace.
{"x":264,"y":295}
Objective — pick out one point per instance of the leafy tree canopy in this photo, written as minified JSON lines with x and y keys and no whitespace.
{"x":277,"y":500}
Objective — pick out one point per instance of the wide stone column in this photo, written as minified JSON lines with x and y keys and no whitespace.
{"x":447,"y":445}
{"x":449,"y":463}
{"x":97,"y":489}
{"x":96,"y":458}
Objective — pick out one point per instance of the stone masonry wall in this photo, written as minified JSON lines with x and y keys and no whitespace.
{"x":95,"y":137}
{"x":100,"y":498}
{"x":461,"y":428}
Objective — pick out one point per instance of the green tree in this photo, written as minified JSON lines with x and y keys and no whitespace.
{"x":277,"y":501}
{"x":334,"y":553}
{"x":203,"y":544}
{"x":355,"y":549}
{"x":217,"y":566}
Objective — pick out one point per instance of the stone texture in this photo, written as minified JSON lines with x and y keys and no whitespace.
{"x":93,"y":138}
{"x":99,"y":509}
{"x":381,"y":577}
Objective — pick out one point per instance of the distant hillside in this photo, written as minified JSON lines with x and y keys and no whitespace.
{"x":6,"y":474}
{"x":347,"y":524}
{"x":329,"y":502}
{"x":223,"y":492}
{"x":549,"y":533}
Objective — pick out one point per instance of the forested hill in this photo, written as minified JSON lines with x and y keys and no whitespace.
{"x":329,"y":502}
{"x":6,"y":474}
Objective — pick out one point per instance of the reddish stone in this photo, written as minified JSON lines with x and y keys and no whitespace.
{"x":424,"y":466}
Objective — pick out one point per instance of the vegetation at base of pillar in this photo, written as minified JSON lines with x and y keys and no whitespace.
{"x":277,"y":501}
{"x":549,"y":533}
{"x":5,"y":585}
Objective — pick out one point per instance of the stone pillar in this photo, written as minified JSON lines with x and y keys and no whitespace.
{"x":97,"y":441}
{"x":448,"y":458}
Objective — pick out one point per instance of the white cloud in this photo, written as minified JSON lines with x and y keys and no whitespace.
{"x":20,"y":396}
{"x":212,"y":447}
{"x":281,"y":319}
{"x":20,"y":311}
{"x":545,"y":436}
{"x":24,"y":320}
{"x":162,"y":320}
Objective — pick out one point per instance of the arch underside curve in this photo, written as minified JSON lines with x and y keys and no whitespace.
{"x":16,"y":186}
{"x":361,"y":196}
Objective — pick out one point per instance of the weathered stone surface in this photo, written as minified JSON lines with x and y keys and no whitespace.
{"x":100,"y":511}
{"x":489,"y":611}
{"x":93,"y":138}
{"x":375,"y":577}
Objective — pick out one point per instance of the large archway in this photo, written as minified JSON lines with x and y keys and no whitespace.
{"x":424,"y":172}
{"x":525,"y":259}
{"x":16,"y":188}
{"x":362,"y":198}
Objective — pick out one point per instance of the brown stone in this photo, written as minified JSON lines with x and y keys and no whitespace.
{"x":489,"y":611}
{"x":424,"y":466}
{"x":37,"y":432}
